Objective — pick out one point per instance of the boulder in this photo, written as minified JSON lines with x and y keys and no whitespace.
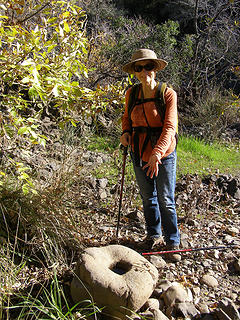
{"x":158,"y":262}
{"x":116,"y":278}
{"x":152,"y":304}
{"x":209,"y":280}
{"x":227,"y":310}
{"x":176,"y":294}
{"x":183,"y":309}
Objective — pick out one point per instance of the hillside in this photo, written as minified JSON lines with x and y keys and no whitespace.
{"x":62,"y":95}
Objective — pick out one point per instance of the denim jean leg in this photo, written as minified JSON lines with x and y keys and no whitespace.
{"x":166,"y":182}
{"x":148,"y":194}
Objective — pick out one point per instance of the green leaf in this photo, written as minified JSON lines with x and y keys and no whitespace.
{"x":32,"y":92}
{"x":23,"y":130}
{"x":66,"y":27}
{"x":26,"y":80}
{"x":50,"y":48}
{"x":24,"y":176}
{"x":60,"y":30}
{"x":2,"y":6}
{"x":25,"y":188}
{"x":55,"y":91}
{"x":33,"y":134}
{"x":27,"y":62}
{"x":75,"y":84}
{"x":73,"y":123}
{"x":66,"y":14}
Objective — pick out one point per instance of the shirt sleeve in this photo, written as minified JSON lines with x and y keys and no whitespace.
{"x":167,"y":137}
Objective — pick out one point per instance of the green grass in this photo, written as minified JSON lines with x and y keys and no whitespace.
{"x":194,"y":156}
{"x":52,"y":303}
{"x":103,"y":143}
{"x":197,"y":156}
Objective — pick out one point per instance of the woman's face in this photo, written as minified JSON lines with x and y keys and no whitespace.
{"x":146,"y":74}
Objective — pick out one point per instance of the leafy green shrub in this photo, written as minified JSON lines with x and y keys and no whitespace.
{"x":42,"y":73}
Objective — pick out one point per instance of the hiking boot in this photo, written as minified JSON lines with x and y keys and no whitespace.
{"x":150,"y":242}
{"x":172,"y":256}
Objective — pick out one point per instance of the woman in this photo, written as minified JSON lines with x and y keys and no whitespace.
{"x":156,"y":170}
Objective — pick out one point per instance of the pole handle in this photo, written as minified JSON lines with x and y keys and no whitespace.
{"x":124,"y":149}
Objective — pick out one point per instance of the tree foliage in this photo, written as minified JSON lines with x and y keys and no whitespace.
{"x":203,"y":60}
{"x":64,"y":58}
{"x":43,"y":56}
{"x":42,"y":64}
{"x":216,"y":43}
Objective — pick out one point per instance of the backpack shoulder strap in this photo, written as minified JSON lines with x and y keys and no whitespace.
{"x":161,"y":103}
{"x":132,"y":99}
{"x":160,"y":99}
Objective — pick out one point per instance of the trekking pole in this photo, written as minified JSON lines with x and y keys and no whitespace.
{"x":125,"y":150}
{"x":191,"y":249}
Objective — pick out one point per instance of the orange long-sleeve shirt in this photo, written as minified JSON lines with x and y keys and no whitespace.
{"x":166,"y":142}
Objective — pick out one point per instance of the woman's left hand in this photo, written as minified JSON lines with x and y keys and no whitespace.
{"x":152,"y":166}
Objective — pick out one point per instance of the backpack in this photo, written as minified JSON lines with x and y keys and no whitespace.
{"x":152,"y":133}
{"x":159,"y":99}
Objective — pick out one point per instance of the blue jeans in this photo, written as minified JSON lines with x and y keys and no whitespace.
{"x":158,"y":199}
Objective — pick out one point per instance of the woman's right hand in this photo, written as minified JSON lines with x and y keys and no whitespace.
{"x":125,"y":139}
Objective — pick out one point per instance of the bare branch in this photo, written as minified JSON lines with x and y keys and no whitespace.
{"x":35,"y":13}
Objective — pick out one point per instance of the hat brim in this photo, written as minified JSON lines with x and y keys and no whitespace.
{"x":161,"y":64}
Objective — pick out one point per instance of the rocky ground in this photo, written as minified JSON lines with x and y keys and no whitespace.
{"x":204,"y":284}
{"x":209,"y":216}
{"x":208,"y":276}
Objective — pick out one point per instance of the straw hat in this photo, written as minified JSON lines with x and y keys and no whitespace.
{"x":144,"y":54}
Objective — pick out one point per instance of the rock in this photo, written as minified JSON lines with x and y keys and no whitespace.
{"x":103,"y":183}
{"x":184,"y":243}
{"x":227,"y":310}
{"x":192,"y":222}
{"x":229,"y":239}
{"x":135,"y":215}
{"x":99,"y":160}
{"x":232,"y":230}
{"x":206,"y":263}
{"x":183,"y":309}
{"x":115,"y":277}
{"x":209,"y":280}
{"x":202,"y":307}
{"x":92,"y":182}
{"x":175,"y":294}
{"x":208,"y":317}
{"x":158,"y":262}
{"x":164,"y":284}
{"x":152,"y":304}
{"x":103,"y":194}
{"x":190,"y":295}
{"x":196,"y":291}
{"x":144,"y":315}
{"x":232,"y":187}
{"x":157,"y":293}
{"x":159,"y":315}
{"x":237,"y":194}
{"x":236,"y":265}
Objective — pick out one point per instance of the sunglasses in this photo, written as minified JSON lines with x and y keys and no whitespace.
{"x":148,"y":67}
